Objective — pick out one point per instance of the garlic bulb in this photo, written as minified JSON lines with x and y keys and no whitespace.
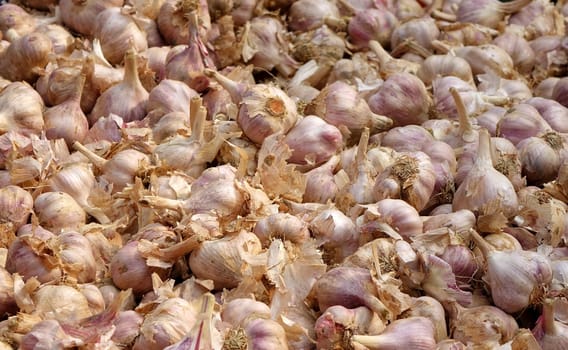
{"x":118,"y":32}
{"x":134,"y":264}
{"x":313,"y":141}
{"x":127,"y":100}
{"x":26,"y":57}
{"x":265,"y":47}
{"x":552,"y":112}
{"x":67,"y":120}
{"x":16,"y":205}
{"x":336,"y":232}
{"x":515,"y":291}
{"x":169,"y":322}
{"x":540,"y":157}
{"x":549,"y":333}
{"x":58,"y":211}
{"x":263,"y":109}
{"x":522,"y":121}
{"x":340,"y":105}
{"x":29,"y":256}
{"x":169,"y":96}
{"x":80,"y":16}
{"x":321,"y":183}
{"x":519,"y":49}
{"x":48,"y":334}
{"x":283,"y":226}
{"x":430,"y":308}
{"x":371,"y":24}
{"x":8,"y":304}
{"x":444,"y":65}
{"x":411,"y":177}
{"x":16,"y":19}
{"x":487,"y":58}
{"x":236,"y":311}
{"x":305,"y":15}
{"x":121,"y":169}
{"x":186,"y":63}
{"x":396,"y":213}
{"x":174,"y":16}
{"x":403,"y":98}
{"x":61,"y":40}
{"x":422,"y":30}
{"x":484,"y":186}
{"x":350,"y":287}
{"x":229,"y":260}
{"x":480,"y":325}
{"x":487,"y":12}
{"x":410,"y":333}
{"x":53,"y":301}
{"x":337,"y":322}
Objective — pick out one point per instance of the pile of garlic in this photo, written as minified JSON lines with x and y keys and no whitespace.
{"x":311,"y":174}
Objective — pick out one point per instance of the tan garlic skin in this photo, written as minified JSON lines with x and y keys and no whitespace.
{"x":430,"y":308}
{"x":221,"y":260}
{"x":61,"y":40}
{"x":80,"y":16}
{"x":54,"y":300}
{"x":118,"y":32}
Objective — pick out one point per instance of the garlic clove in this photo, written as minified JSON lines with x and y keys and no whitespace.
{"x":16,"y":205}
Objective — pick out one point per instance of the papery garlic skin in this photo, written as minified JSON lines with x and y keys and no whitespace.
{"x":409,"y":333}
{"x":281,"y":225}
{"x":80,"y":16}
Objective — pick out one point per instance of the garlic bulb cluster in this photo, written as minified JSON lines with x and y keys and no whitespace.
{"x":298,"y":175}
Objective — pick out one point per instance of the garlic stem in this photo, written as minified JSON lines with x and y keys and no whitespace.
{"x":194,"y":104}
{"x":180,"y":249}
{"x":485,"y":247}
{"x":362,"y":148}
{"x":549,"y":325}
{"x":234,"y":88}
{"x":466,"y":129}
{"x":131,"y":69}
{"x":384,"y":56}
{"x":161,"y":202}
{"x":97,"y":161}
{"x":199,"y":124}
{"x":443,"y":16}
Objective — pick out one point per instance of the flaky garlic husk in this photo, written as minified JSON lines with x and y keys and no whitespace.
{"x":411,"y":177}
{"x":264,"y":109}
{"x":127,"y":99}
{"x":8,"y":304}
